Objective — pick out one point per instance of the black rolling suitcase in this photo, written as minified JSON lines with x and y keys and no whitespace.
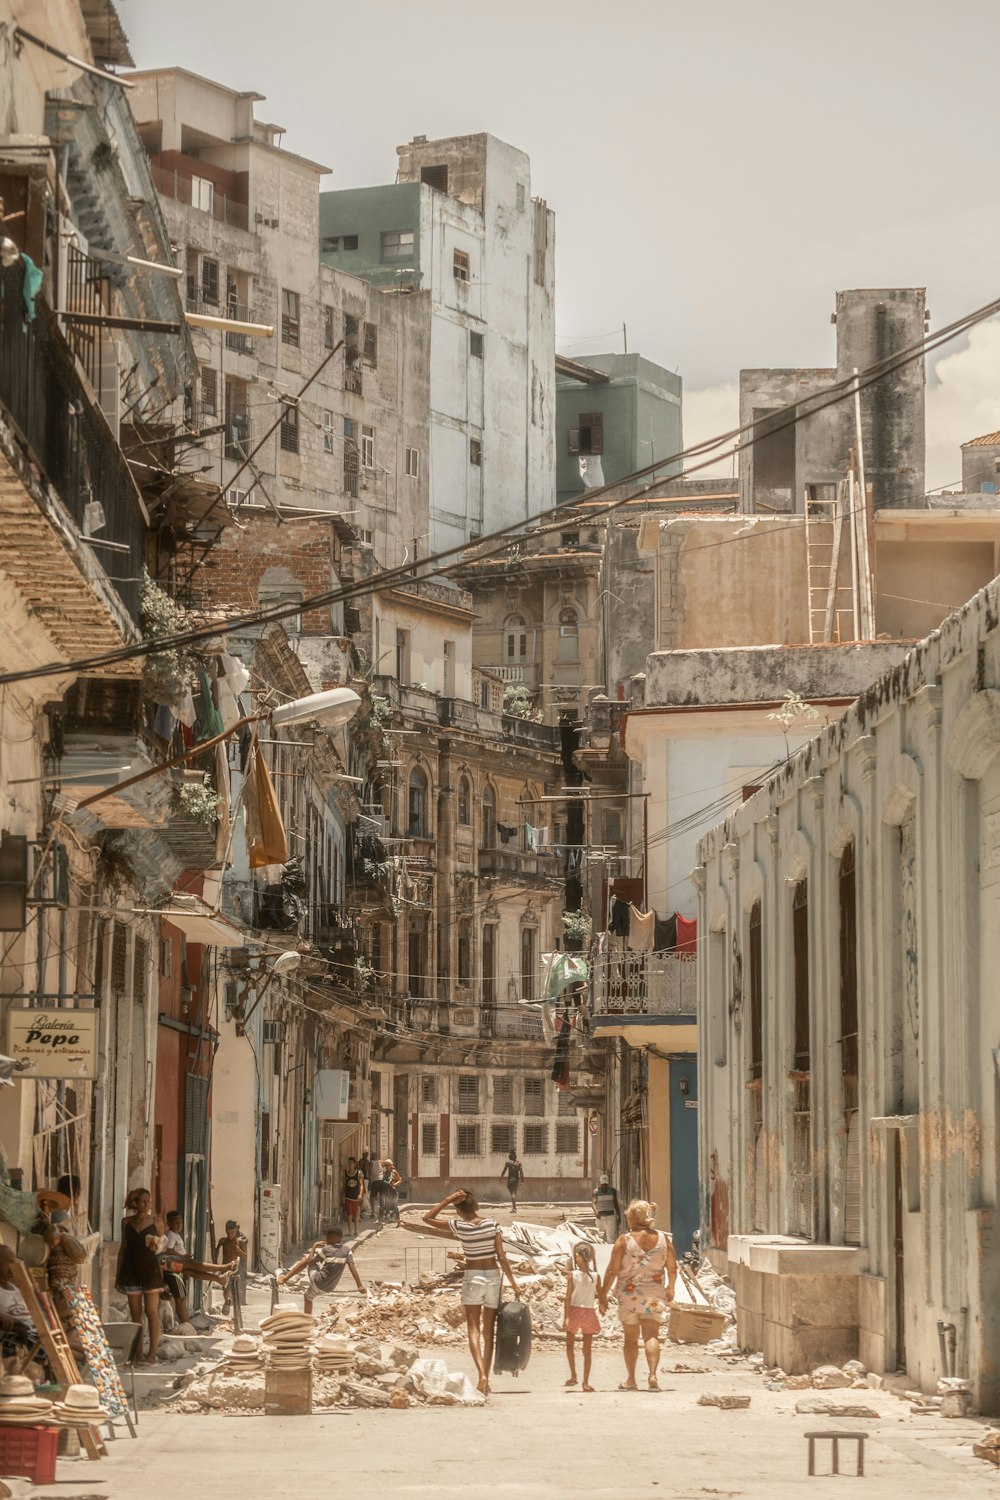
{"x":512,"y":1349}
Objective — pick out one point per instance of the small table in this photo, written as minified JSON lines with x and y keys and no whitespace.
{"x":835,"y":1439}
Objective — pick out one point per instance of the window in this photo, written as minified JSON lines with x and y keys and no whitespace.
{"x":534,"y":1096}
{"x":468,"y":1093}
{"x":413,"y":463}
{"x":536,"y":1139}
{"x":435,"y":177}
{"x":565,"y":1105}
{"x":464,"y":811}
{"x":371,"y":346}
{"x":464,"y":952}
{"x":416,"y":825}
{"x":209,"y":392}
{"x":467,"y":1138}
{"x":519,"y":197}
{"x":202,"y":194}
{"x":460,"y":265}
{"x":290,"y":430}
{"x":475,"y":453}
{"x":339,"y":242}
{"x":800,"y":974}
{"x":589,"y":436}
{"x":351,"y":464}
{"x":428,"y":1138}
{"x":271,"y":599}
{"x":476,"y":345}
{"x":489,"y":838}
{"x":397,"y":244}
{"x":756,"y":995}
{"x":569,"y":636}
{"x":567,"y":1139}
{"x":503,"y":1139}
{"x":368,"y":447}
{"x":448,"y":674}
{"x":166,"y":958}
{"x":428,"y":1089}
{"x":290,"y":318}
{"x":365,"y":536}
{"x":352,"y":354}
{"x":503,"y":1094}
{"x":489,"y":971}
{"x":515,"y":640}
{"x":528,"y":941}
{"x":849,"y":1045}
{"x":210,"y":281}
{"x":328,"y":328}
{"x":403,"y":657}
{"x":569,"y":539}
{"x":416,"y":956}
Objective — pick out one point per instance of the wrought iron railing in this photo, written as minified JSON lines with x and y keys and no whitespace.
{"x":658,"y":984}
{"x":180,"y":185}
{"x":68,"y":436}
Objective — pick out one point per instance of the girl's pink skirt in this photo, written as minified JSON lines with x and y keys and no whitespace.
{"x":584,"y":1320}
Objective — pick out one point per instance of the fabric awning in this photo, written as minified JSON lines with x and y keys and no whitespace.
{"x":210,"y":929}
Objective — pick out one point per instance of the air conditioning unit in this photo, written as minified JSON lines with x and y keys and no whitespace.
{"x":332,"y":1093}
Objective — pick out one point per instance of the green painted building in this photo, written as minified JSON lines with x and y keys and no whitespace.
{"x":373,"y":232}
{"x":613,"y":427}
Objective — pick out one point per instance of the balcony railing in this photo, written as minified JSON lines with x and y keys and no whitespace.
{"x":517,"y":1022}
{"x":180,"y":185}
{"x":68,"y":436}
{"x":528,"y":867}
{"x":645,"y":984}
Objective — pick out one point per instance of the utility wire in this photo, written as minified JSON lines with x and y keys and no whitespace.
{"x":420,"y":571}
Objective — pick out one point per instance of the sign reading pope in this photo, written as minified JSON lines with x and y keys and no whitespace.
{"x":54,"y":1043}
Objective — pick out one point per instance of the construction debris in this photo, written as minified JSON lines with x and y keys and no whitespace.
{"x":726,"y":1403}
{"x":988,"y":1447}
{"x":814,"y":1407}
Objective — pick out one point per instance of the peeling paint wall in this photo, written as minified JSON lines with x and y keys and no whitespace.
{"x":910,"y":776}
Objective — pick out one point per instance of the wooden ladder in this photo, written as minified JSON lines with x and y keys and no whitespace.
{"x":56,"y":1346}
{"x":829,"y":602}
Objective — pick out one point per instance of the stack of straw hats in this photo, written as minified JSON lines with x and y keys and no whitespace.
{"x":19,"y":1403}
{"x":287,"y":1335}
{"x":245,"y":1353}
{"x":80,"y":1407}
{"x":333,"y":1354}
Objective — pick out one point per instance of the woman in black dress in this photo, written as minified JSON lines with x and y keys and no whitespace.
{"x":140,"y":1275}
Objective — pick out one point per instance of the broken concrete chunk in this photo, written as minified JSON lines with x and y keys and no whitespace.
{"x":830,"y":1378}
{"x":727,"y":1403}
{"x":814,"y":1407}
{"x":798,"y":1382}
{"x":854,"y":1368}
{"x":874,"y":1382}
{"x":363,"y":1394}
{"x":401,"y":1356}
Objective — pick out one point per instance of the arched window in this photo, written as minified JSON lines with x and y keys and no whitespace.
{"x":416,"y":825}
{"x":515,"y":646}
{"x":464,"y":800}
{"x":569,"y":636}
{"x":489,"y":839}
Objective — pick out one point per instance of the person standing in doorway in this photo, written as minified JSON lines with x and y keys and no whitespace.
{"x":513,"y":1176}
{"x":354,"y":1191}
{"x":608,"y":1210}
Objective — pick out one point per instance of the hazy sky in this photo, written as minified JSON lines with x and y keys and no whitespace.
{"x":718,"y":170}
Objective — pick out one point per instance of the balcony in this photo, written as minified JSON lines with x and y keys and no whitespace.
{"x":509,"y":867}
{"x":645,"y":984}
{"x":180,"y":186}
{"x":516,"y":1022}
{"x":58,"y":431}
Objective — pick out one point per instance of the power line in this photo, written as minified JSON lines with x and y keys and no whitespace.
{"x":419,"y":571}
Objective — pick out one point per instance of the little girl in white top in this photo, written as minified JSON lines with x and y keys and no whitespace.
{"x":580,"y":1315}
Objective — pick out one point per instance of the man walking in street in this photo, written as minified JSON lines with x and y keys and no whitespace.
{"x":324,"y":1265}
{"x":354,"y":1188}
{"x":513,"y":1176}
{"x":608,"y":1209}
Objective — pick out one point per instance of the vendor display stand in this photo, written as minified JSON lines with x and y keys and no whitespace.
{"x":53,"y":1339}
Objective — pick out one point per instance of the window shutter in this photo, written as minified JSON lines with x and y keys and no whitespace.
{"x":574,"y":440}
{"x":852,"y":1181}
{"x":371,"y":344}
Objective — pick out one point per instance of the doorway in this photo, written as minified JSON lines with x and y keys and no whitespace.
{"x":684,"y":1203}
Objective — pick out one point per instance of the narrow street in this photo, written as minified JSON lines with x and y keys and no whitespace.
{"x":533,"y":1437}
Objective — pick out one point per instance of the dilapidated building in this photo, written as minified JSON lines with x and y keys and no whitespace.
{"x":848,"y":1104}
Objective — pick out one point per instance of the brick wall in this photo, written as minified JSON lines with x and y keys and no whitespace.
{"x":297,"y":556}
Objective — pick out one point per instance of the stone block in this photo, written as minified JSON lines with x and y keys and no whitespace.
{"x":871,"y":1349}
{"x":819,"y":1301}
{"x":871,"y":1304}
{"x":801,"y":1350}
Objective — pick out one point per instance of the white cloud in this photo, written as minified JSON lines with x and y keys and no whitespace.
{"x":963,"y":401}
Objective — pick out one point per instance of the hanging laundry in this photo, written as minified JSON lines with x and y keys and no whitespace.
{"x":209,"y":721}
{"x":235,"y":673}
{"x":574,"y":859}
{"x":665,"y":936}
{"x":560,"y":1061}
{"x":687,"y":936}
{"x":566,"y":970}
{"x":30,"y":286}
{"x":266,"y":840}
{"x":641,"y":930}
{"x":223,"y":827}
{"x":507,"y":831}
{"x":164,"y":722}
{"x":619,"y":920}
{"x":184,"y":709}
{"x":536,"y":839}
{"x":225,"y":701}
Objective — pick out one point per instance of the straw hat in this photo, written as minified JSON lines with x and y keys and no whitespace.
{"x":244,"y":1343}
{"x":16,"y":1385}
{"x":82,"y":1398}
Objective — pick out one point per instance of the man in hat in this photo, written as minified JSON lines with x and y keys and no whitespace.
{"x":324,"y":1266}
{"x":608,"y":1209}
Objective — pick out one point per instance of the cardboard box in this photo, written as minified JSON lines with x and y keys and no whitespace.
{"x":288,"y":1393}
{"x":695,"y":1324}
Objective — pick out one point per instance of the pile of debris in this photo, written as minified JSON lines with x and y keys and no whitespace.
{"x":345,"y":1374}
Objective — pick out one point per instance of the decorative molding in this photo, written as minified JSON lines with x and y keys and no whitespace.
{"x":974,"y":737}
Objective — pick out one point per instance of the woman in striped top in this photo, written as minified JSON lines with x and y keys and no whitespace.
{"x":484,"y":1259}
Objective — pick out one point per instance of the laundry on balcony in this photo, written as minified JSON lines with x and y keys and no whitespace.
{"x":687,"y":936}
{"x":536,"y":839}
{"x":641,"y":930}
{"x":507,"y":831}
{"x":561,"y":971}
{"x":266,"y":840}
{"x":618,"y":922}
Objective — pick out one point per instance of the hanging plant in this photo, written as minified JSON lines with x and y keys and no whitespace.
{"x":519,"y":703}
{"x":199,"y":801}
{"x":577,"y":928}
{"x":167,"y":675}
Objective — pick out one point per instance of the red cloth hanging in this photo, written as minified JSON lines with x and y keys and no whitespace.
{"x":687,"y":935}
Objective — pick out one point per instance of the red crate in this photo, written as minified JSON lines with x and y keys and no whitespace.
{"x":29,"y":1452}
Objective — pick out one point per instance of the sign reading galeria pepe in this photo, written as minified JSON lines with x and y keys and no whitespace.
{"x":54,"y":1043}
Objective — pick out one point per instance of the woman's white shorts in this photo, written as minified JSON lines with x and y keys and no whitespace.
{"x":481,"y":1289}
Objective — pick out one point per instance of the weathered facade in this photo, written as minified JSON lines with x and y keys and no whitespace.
{"x":620,"y":414}
{"x":847,"y":1071}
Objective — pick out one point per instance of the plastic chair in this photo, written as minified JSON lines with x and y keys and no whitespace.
{"x":125,"y":1341}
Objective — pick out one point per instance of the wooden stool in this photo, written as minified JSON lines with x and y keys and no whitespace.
{"x":835,"y":1439}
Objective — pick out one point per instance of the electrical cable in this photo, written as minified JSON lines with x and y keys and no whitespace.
{"x":408,"y":573}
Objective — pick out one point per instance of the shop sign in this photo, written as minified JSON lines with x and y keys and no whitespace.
{"x":53,"y":1043}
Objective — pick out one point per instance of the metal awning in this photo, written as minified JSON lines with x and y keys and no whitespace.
{"x":210,"y":929}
